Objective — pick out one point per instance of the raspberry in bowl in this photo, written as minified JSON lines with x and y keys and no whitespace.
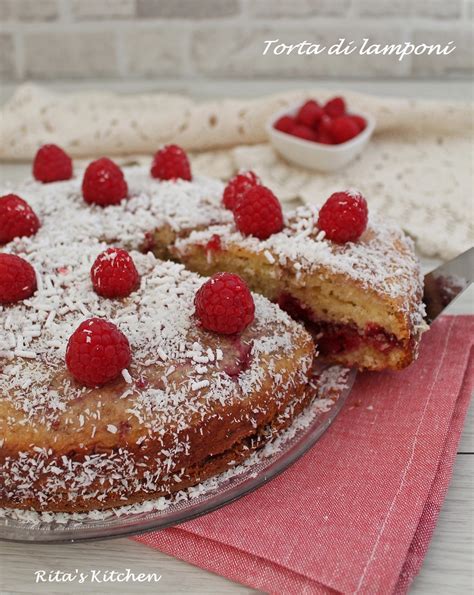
{"x":321,"y":137}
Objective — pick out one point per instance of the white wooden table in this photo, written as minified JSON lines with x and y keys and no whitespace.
{"x":448,"y":567}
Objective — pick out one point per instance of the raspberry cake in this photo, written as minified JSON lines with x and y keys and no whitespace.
{"x":189,"y":402}
{"x":361,"y":300}
{"x":123,"y":376}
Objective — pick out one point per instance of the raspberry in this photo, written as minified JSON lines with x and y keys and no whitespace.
{"x":335,"y":107}
{"x":103,"y":183}
{"x":303,"y":132}
{"x":343,"y":217}
{"x":214,"y":244}
{"x":343,"y":129}
{"x":324,"y":138}
{"x":52,"y":164}
{"x":236,"y":188}
{"x":359,"y":121}
{"x":17,"y":218}
{"x":258,"y":213}
{"x":97,"y":352}
{"x":224,"y":304}
{"x":325,"y":125}
{"x":171,"y":163}
{"x":310,"y":113}
{"x":284,"y":124}
{"x":114,"y":274}
{"x":17,"y":279}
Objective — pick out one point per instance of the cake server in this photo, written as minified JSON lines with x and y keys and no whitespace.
{"x":446,"y":283}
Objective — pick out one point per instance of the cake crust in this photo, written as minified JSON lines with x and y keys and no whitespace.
{"x":133,"y":473}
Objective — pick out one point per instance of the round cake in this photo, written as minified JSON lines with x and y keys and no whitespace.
{"x":192,"y":402}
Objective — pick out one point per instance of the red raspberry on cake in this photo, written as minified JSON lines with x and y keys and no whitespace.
{"x":284,"y":124}
{"x":104,"y":183}
{"x":236,"y":188}
{"x":17,"y":218}
{"x":343,"y":217}
{"x":52,"y":164}
{"x":97,"y":352}
{"x":17,"y":279}
{"x":258,"y":213}
{"x":224,"y":304}
{"x":171,"y":163}
{"x":310,"y":113}
{"x":114,"y":274}
{"x":343,"y":129}
{"x":335,"y":107}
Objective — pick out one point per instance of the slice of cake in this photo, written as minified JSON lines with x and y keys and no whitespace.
{"x":361,"y":300}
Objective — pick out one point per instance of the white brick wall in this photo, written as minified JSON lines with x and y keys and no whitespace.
{"x":438,"y":9}
{"x":29,"y":10}
{"x":187,"y":9}
{"x":153,"y":52}
{"x":59,"y":54}
{"x":297,"y":8}
{"x":102,"y":9}
{"x":240,"y":52}
{"x":224,"y":39}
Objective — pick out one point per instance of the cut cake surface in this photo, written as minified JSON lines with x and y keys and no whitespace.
{"x":362,"y":300}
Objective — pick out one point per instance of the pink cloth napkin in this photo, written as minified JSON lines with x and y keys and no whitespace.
{"x":357,"y":512}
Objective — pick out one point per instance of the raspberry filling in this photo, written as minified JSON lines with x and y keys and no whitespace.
{"x":242,"y":360}
{"x":334,"y":338}
{"x":214,"y":244}
{"x":149,"y":242}
{"x":340,"y":338}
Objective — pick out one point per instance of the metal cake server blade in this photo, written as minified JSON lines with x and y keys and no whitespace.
{"x":446,"y":283}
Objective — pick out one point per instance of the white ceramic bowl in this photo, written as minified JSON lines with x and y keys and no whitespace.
{"x":314,"y":155}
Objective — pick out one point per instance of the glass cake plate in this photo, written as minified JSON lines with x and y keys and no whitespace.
{"x":334,"y":385}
